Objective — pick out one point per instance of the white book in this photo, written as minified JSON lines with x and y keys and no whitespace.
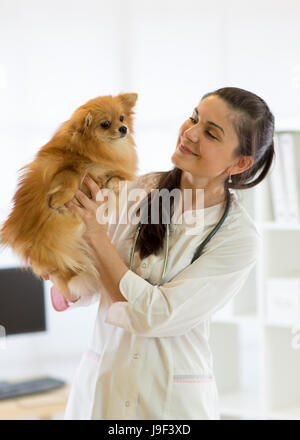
{"x":278,"y":193}
{"x":283,"y":300}
{"x":287,"y":149}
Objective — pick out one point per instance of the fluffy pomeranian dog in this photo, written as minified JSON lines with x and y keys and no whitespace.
{"x":97,"y":140}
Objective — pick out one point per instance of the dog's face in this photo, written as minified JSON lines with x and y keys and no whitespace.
{"x":107,"y":118}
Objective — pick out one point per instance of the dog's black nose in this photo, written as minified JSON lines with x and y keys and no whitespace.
{"x":123,"y":130}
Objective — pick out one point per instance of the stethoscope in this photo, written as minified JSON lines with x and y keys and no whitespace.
{"x":199,"y":249}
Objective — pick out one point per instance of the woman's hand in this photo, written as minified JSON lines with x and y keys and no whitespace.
{"x":88,"y":210}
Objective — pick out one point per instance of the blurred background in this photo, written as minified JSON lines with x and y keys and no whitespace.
{"x":56,"y":55}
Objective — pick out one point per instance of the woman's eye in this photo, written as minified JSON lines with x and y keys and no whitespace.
{"x":105,"y":124}
{"x":121,"y":118}
{"x":206,"y":131}
{"x":194,"y":121}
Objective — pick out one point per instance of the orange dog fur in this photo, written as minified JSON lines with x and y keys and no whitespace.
{"x":40,"y":229}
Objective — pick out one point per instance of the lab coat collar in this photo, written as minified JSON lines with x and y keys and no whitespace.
{"x":202,"y":217}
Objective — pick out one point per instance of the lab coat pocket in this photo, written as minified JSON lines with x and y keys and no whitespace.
{"x":87,"y":371}
{"x":193,"y":397}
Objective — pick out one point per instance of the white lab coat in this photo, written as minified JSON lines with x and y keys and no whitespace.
{"x":149,"y":357}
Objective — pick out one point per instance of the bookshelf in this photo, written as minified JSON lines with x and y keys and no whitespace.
{"x":259,"y":379}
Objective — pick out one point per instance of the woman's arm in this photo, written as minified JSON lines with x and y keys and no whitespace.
{"x":110,"y":266}
{"x":192,"y":296}
{"x":182,"y":303}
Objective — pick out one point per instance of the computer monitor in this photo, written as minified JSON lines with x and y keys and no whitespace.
{"x":22,"y":302}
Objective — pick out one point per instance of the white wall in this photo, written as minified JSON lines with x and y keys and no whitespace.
{"x":55,"y":55}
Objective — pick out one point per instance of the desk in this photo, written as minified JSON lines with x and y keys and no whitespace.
{"x":43,"y":405}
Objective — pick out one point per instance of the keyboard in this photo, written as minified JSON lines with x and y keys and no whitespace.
{"x":11,"y":390}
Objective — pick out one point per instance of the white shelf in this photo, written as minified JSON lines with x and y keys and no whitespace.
{"x":235,"y":319}
{"x":280,"y":324}
{"x":254,"y":356}
{"x":246,"y":404}
{"x":242,"y":403}
{"x":275,"y":226}
{"x":291,"y":412}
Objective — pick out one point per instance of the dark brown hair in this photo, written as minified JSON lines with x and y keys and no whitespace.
{"x":254,"y":125}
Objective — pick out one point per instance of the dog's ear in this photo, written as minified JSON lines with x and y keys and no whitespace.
{"x":87,"y":122}
{"x":81,"y":121}
{"x":128,"y":99}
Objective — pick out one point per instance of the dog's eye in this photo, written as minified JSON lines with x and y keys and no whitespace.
{"x":121,"y":118}
{"x":105,"y":124}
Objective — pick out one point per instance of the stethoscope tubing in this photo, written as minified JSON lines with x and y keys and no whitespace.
{"x":199,"y":249}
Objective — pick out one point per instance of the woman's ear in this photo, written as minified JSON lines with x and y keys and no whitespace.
{"x":242,"y":165}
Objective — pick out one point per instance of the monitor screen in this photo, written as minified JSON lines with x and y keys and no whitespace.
{"x":22,"y":304}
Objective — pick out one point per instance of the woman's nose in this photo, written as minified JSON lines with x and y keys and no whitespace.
{"x":191,"y":134}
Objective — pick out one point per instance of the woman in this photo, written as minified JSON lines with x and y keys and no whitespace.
{"x":149,"y":357}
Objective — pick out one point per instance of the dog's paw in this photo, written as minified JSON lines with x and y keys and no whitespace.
{"x":57,"y":200}
{"x":101,"y":181}
{"x":113,"y":183}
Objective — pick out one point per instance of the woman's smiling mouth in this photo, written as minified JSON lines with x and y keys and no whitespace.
{"x":183,"y":149}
